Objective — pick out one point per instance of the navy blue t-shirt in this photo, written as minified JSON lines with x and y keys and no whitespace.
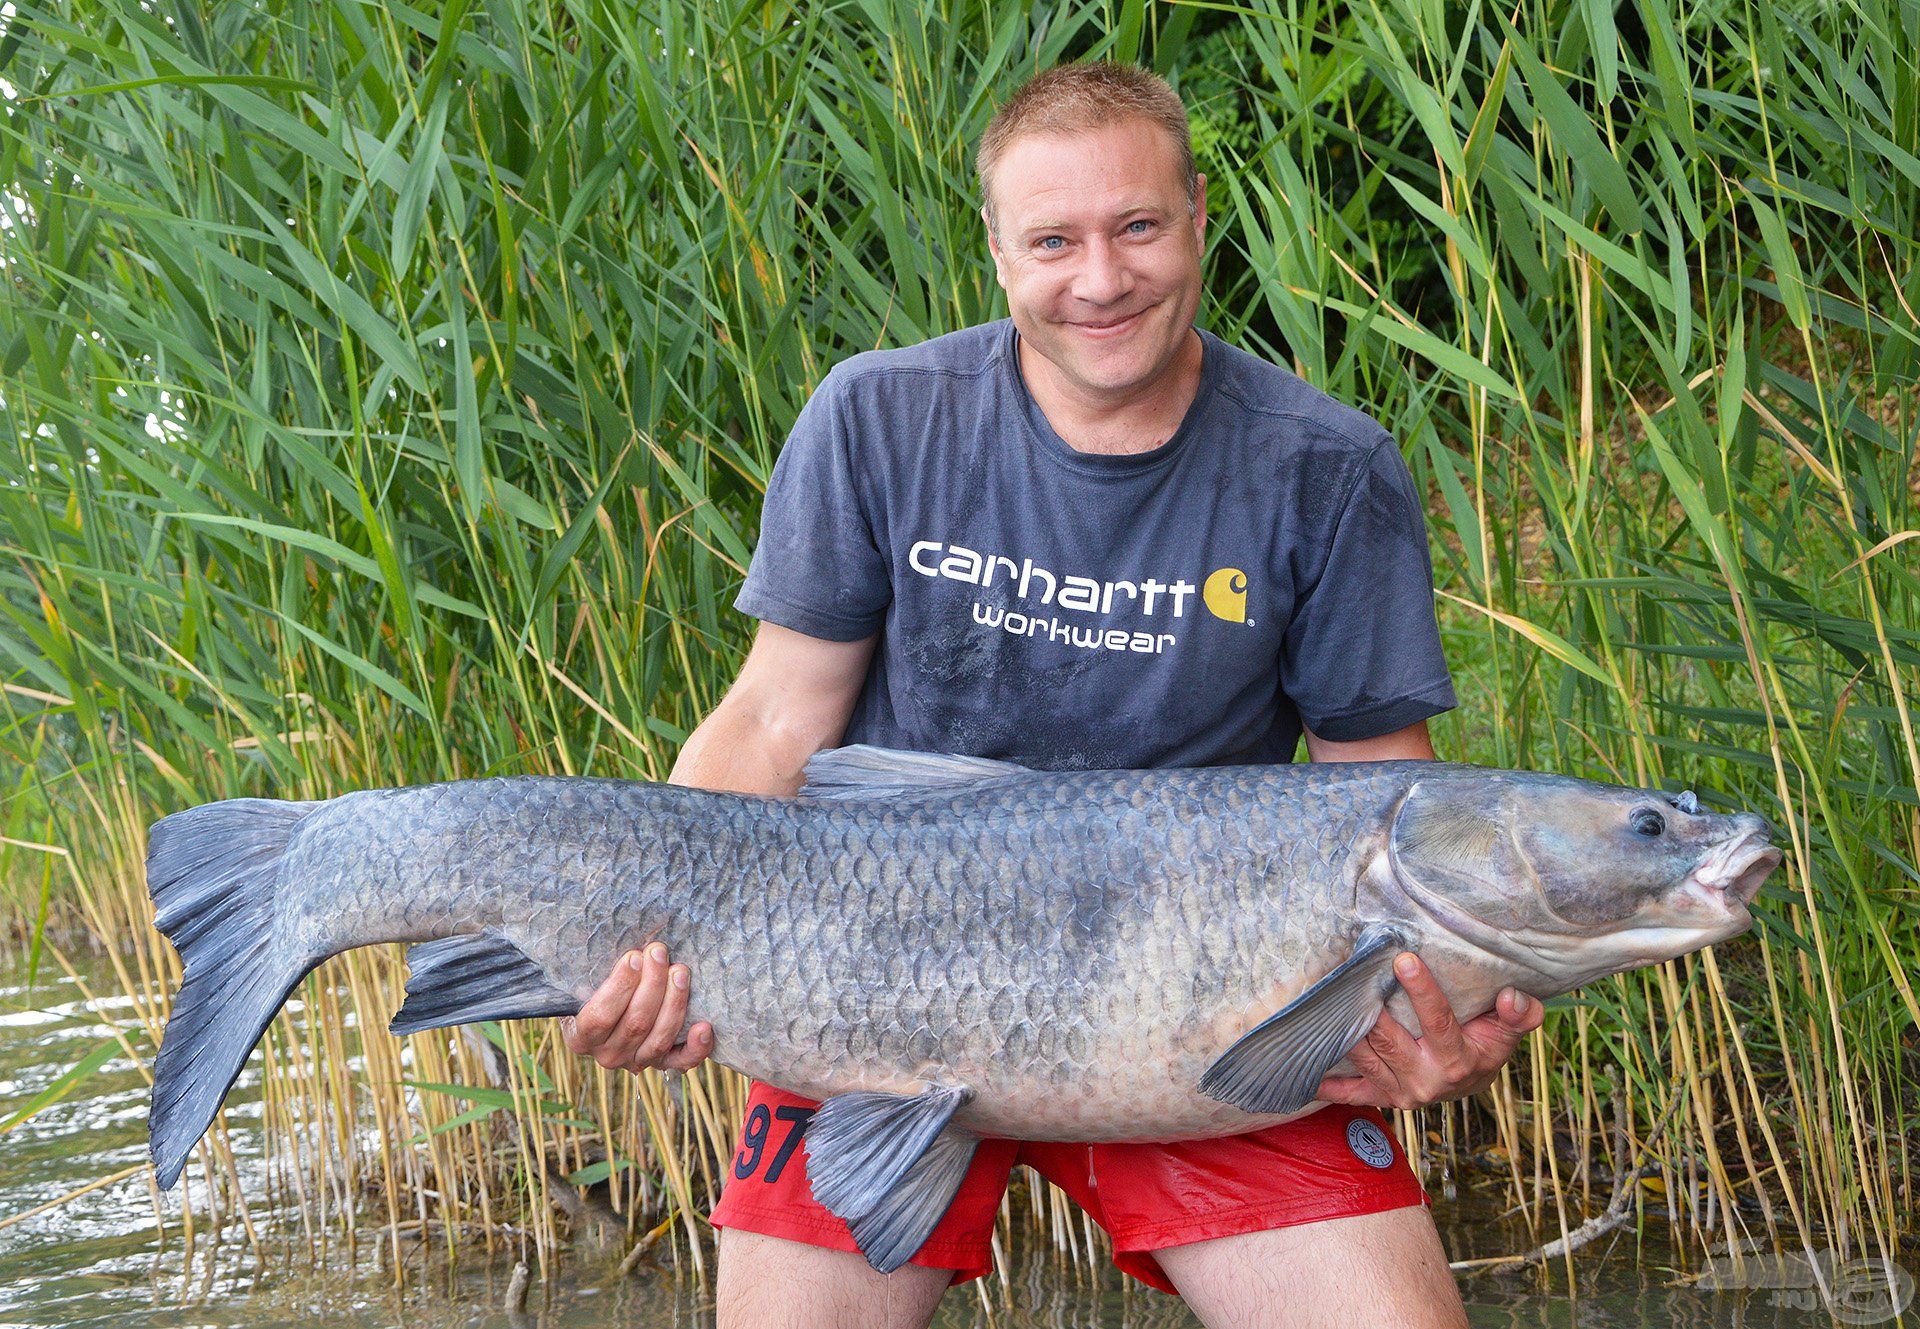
{"x":1185,"y":606}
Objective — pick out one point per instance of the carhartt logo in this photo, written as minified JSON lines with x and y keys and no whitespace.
{"x":1029,"y":580}
{"x":1032,"y":587}
{"x":1225,"y":594}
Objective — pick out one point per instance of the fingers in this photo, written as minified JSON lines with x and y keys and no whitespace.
{"x":633,"y":1020}
{"x":1523,"y":1014}
{"x":662,"y":1020}
{"x":1496,"y":1034}
{"x":1376,"y":1072}
{"x":696,"y":1049}
{"x":1397,"y":1049}
{"x":1439,"y":1031}
{"x":1351,"y":1089}
{"x":636,"y":1024}
{"x":598,"y":1019}
{"x":1448,"y":1061}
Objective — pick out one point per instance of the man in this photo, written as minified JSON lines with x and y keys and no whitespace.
{"x":1090,"y":536}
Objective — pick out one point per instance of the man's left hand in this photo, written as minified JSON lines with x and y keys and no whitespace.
{"x":1449,"y":1060}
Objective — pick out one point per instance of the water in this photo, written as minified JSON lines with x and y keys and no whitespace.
{"x":116,"y":1257}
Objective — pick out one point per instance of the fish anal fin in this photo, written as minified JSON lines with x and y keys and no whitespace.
{"x":862,"y":770}
{"x":889,"y":1165}
{"x":478,"y":976}
{"x":894,"y":1230}
{"x":1277,"y":1065}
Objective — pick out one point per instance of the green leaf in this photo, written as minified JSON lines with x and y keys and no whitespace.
{"x":482,"y":1094}
{"x":594,"y":1173}
{"x":479,"y":1112}
{"x":1417,"y":339}
{"x":63,"y":1084}
{"x":1573,"y":131}
{"x":1785,"y":263}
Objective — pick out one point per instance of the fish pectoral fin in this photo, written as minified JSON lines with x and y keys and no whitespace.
{"x":889,"y":1165}
{"x":862,"y":770}
{"x":1277,"y":1065}
{"x":478,"y":976}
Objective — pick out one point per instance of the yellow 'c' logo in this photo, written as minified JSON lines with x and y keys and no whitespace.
{"x":1225,"y":594}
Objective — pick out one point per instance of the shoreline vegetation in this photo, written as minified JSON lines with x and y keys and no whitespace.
{"x":389,"y":395}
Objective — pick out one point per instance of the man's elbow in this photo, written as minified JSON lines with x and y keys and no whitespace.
{"x":752,"y":744}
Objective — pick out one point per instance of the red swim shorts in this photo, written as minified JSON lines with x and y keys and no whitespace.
{"x":1339,"y":1162}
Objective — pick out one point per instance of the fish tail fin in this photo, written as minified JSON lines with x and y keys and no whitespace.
{"x":213,"y":872}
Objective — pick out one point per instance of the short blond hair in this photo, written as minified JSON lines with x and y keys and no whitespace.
{"x":1089,"y":95}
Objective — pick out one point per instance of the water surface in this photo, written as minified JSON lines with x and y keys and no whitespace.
{"x":116,"y":1255}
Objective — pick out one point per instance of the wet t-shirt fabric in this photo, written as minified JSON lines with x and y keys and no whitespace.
{"x":1186,"y":606}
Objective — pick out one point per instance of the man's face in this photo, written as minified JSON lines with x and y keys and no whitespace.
{"x":1098,"y":254}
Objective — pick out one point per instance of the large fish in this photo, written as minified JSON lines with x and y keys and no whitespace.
{"x":946,"y":948}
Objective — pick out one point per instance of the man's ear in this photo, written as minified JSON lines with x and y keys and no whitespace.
{"x":993,"y":246}
{"x":1200,"y":209}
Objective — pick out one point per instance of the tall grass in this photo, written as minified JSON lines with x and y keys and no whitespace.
{"x":389,"y":395}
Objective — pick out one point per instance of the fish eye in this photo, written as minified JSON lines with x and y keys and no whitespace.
{"x":1647,"y":822}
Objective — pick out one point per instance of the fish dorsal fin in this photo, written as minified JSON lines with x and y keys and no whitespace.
{"x":889,"y":1165}
{"x":482,"y":976}
{"x":862,"y":770}
{"x":1277,"y":1065}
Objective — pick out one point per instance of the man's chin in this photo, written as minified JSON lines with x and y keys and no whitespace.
{"x":1109,"y":370}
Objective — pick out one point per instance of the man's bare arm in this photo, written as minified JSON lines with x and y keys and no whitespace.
{"x":793,"y":697}
{"x":1409,"y":742}
{"x":1449,"y":1060}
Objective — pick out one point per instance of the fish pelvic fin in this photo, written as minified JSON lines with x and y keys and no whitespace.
{"x":1277,"y":1065}
{"x":458,"y":980}
{"x":889,"y":1165}
{"x":213,"y":872}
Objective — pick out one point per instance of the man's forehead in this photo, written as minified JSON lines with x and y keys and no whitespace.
{"x":1057,"y":178}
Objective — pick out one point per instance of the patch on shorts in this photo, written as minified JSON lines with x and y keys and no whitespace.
{"x":1369,"y":1143}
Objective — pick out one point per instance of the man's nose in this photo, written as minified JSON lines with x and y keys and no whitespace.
{"x":1102,"y":278}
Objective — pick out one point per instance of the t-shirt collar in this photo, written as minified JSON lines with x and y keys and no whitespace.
{"x":1052,"y":445}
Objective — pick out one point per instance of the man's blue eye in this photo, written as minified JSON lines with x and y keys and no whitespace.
{"x":1142,"y":222}
{"x":1047,"y":241}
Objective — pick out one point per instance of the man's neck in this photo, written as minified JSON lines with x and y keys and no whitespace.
{"x":1145,"y":417}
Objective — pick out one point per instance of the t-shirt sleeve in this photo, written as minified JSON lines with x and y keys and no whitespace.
{"x":1362,"y":655}
{"x":817,"y":568}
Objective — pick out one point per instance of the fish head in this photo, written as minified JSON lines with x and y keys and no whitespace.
{"x":1589,"y":878}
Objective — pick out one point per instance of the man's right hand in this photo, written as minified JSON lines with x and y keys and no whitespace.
{"x":633,"y":1021}
{"x":792,"y":698}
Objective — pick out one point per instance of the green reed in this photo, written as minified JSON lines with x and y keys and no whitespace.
{"x":389,"y":394}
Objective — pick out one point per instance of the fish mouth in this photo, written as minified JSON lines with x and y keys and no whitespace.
{"x":1732,"y":874}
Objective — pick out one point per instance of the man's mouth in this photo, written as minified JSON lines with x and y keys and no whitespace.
{"x":1111,"y":328}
